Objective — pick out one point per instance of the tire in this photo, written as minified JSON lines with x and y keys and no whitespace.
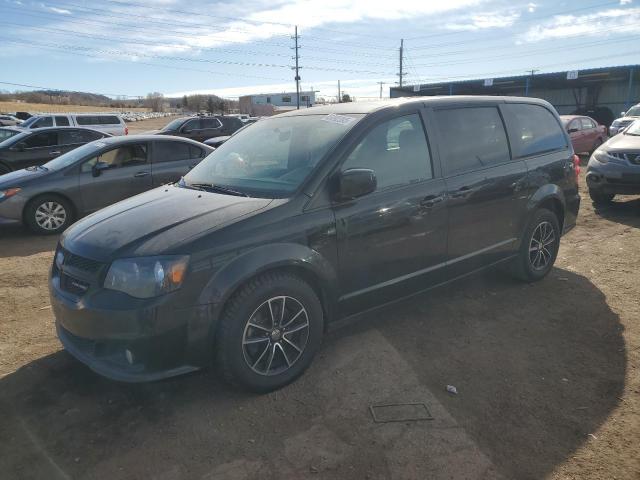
{"x":262,"y":356}
{"x":542,"y":235}
{"x":600,"y":198}
{"x":48,"y":214}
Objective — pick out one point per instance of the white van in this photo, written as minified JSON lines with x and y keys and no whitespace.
{"x":109,"y":123}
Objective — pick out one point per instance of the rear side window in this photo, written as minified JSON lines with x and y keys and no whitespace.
{"x":68,"y":137}
{"x":108,"y":120}
{"x":88,"y":120}
{"x":192,"y":124}
{"x":172,"y":151}
{"x":62,"y":121}
{"x":533,"y":130}
{"x":472,"y":138}
{"x":40,"y":140}
{"x":396,"y":150}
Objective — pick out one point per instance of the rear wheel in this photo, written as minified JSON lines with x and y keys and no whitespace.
{"x":48,"y":214}
{"x":539,"y":247}
{"x":269,"y":332}
{"x":600,"y":198}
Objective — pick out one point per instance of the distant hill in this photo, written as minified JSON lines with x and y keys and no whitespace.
{"x":58,"y":97}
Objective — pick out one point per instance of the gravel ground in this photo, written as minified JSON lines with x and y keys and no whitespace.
{"x":547,"y":380}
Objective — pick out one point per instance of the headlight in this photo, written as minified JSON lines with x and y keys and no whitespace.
{"x":10,"y":192}
{"x":147,"y":277}
{"x":601,"y":156}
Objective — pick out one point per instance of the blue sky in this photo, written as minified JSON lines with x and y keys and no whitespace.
{"x":230,"y":48}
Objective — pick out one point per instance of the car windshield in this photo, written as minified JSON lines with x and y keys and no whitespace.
{"x":273,"y":157}
{"x":173,"y":125}
{"x":69,"y":158}
{"x":633,"y":129}
{"x":29,"y":121}
{"x":633,"y":111}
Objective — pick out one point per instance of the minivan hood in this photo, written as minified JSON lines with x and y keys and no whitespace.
{"x":155,"y":222}
{"x":20,"y":178}
{"x":620,"y":142}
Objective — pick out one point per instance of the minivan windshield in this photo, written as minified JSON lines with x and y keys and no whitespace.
{"x":69,"y":158}
{"x":273,"y":157}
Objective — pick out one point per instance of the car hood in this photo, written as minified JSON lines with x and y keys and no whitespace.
{"x":625,"y":119}
{"x":620,"y":142}
{"x":155,"y":222}
{"x":20,"y":178}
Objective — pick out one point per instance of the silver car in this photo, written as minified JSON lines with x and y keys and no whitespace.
{"x":614,"y":168}
{"x":627,"y":118}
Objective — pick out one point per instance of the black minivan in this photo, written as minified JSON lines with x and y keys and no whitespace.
{"x":306,"y":218}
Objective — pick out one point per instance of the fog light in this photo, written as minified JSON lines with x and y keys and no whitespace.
{"x":129,"y":355}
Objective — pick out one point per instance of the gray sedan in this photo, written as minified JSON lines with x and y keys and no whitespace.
{"x":614,"y":168}
{"x":50,"y":197}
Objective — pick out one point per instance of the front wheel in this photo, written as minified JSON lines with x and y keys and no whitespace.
{"x":269,"y":332}
{"x":48,"y":214}
{"x":539,"y":247}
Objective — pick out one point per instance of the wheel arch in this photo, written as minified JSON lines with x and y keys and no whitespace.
{"x":74,"y":207}
{"x":550,"y":197}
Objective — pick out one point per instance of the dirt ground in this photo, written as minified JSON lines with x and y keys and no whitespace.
{"x":547,"y":380}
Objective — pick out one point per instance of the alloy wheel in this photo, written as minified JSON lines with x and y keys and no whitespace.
{"x":275,"y":335}
{"x":541,"y":246}
{"x":50,"y":215}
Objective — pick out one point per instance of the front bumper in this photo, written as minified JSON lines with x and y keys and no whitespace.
{"x":11,"y":209}
{"x":613,"y":178}
{"x":128,"y":339}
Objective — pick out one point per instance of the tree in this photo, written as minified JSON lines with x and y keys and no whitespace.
{"x":211,"y":105}
{"x":185,"y":102}
{"x":346,"y":98}
{"x":155,"y":101}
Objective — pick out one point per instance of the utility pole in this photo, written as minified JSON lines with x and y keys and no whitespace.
{"x":401,"y":58}
{"x":381,"y":84}
{"x":339,"y":93}
{"x":295,"y":37}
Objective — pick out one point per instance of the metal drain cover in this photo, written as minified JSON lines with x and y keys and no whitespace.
{"x":400,"y":412}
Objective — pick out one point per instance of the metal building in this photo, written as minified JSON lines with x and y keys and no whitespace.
{"x":599,"y":92}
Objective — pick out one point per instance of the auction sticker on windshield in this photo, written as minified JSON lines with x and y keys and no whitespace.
{"x":339,"y":119}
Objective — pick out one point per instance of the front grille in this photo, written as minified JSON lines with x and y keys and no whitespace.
{"x":73,"y":285}
{"x":81,"y":263}
{"x":631,"y":157}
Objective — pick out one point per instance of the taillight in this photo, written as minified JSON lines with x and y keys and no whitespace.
{"x":576,"y":166}
{"x":126,"y":130}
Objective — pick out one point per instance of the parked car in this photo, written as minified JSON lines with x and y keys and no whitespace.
{"x":308,"y":217}
{"x":585,"y":133}
{"x":9,"y":121}
{"x":201,"y":128}
{"x":49,"y":198}
{"x":108,"y":123}
{"x":626,"y":119}
{"x":615,"y":167}
{"x":8,"y":132}
{"x":40,"y":145}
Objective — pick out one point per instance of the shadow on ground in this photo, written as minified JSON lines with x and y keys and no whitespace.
{"x":16,"y":240}
{"x":538,"y":367}
{"x":624,"y":210}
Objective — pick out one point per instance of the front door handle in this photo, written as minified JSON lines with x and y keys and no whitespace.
{"x":141,"y":174}
{"x":462,"y":192}
{"x":55,"y":152}
{"x":430,"y":201}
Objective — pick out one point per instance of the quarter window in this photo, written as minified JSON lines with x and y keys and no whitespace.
{"x":126,"y":156}
{"x":472,"y":138}
{"x":533,"y":130}
{"x":173,"y":151}
{"x":396,"y":150}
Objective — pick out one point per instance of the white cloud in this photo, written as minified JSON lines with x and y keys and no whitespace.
{"x":484,"y":21}
{"x":61,"y":11}
{"x":613,"y":21}
{"x":531,"y":7}
{"x":625,"y":2}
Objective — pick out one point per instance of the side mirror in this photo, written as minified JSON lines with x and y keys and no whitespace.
{"x":623,"y":114}
{"x":356,"y":182}
{"x":98,"y":168}
{"x":573,"y":130}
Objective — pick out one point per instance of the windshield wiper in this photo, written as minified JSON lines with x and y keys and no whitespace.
{"x":210,"y":187}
